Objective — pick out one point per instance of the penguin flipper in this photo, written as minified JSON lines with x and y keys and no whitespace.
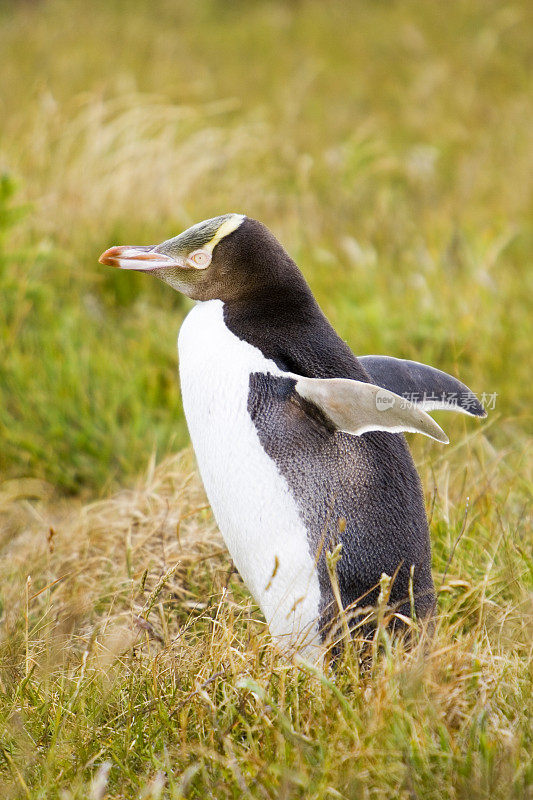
{"x":356,"y":407}
{"x":429,"y":388}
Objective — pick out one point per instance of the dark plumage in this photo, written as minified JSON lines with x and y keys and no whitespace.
{"x":361,"y":491}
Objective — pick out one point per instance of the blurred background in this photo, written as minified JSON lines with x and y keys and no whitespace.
{"x":386,"y":144}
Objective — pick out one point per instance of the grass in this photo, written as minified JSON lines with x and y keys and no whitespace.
{"x":147,"y":667}
{"x":387,"y":145}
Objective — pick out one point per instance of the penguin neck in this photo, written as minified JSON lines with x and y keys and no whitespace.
{"x":288,"y":326}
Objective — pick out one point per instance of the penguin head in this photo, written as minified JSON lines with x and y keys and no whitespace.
{"x":227,"y":258}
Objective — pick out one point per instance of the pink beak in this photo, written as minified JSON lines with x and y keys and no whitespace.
{"x":142,"y":259}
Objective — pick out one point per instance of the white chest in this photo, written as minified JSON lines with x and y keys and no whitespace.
{"x":254,"y":509}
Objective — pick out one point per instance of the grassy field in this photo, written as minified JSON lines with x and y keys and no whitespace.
{"x":388,"y":146}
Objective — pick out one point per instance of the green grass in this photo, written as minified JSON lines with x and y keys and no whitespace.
{"x":387,"y":145}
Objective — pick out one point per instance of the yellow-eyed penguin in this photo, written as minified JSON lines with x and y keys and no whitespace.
{"x":298,"y":442}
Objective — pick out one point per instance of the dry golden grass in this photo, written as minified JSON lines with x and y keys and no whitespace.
{"x":134,"y":647}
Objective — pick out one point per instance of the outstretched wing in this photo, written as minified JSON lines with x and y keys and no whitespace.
{"x":356,"y":407}
{"x":430,"y":388}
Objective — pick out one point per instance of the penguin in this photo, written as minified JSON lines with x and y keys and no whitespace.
{"x":299,"y":443}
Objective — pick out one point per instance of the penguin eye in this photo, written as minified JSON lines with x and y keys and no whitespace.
{"x":199,"y":259}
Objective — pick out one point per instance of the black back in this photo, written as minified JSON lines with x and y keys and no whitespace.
{"x":361,"y":491}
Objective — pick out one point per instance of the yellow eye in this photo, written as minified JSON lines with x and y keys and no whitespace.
{"x":199,"y":259}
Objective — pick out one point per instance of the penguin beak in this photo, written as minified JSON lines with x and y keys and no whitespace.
{"x":142,"y":259}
